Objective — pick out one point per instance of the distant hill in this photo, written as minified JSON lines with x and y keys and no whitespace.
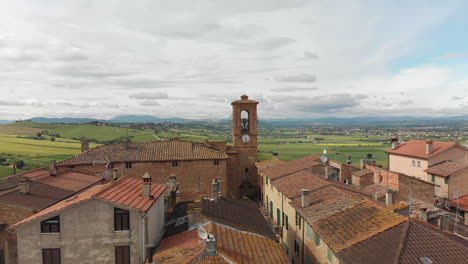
{"x":63,"y":120}
{"x":5,"y":122}
{"x":146,"y":119}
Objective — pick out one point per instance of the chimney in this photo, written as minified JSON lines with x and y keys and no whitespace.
{"x":305,"y":198}
{"x":423,"y":214}
{"x":364,"y":162}
{"x":114,"y":176}
{"x":84,"y":145}
{"x":389,"y":197}
{"x":348,"y":160}
{"x":429,"y":146}
{"x":53,"y":169}
{"x":24,"y":185}
{"x":244,"y":97}
{"x":326,"y":172}
{"x":394,"y":142}
{"x":275,"y":155}
{"x":146,"y":188}
{"x":14,"y":169}
{"x":172,"y":180}
{"x":210,"y":244}
{"x":215,"y":189}
{"x":440,"y":222}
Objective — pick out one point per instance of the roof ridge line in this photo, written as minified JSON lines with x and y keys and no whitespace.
{"x":403,"y":243}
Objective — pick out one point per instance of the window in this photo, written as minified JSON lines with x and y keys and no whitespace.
{"x":271,"y":209}
{"x":298,"y":220}
{"x":266,"y":180}
{"x":51,"y":255}
{"x":216,"y":162}
{"x":413,"y":163}
{"x":278,"y":216}
{"x":316,"y":239}
{"x":329,"y":254}
{"x":419,"y":164}
{"x":246,"y":169}
{"x":433,"y":178}
{"x":121,"y":219}
{"x":309,"y":232}
{"x":296,"y":248}
{"x":285,"y":221}
{"x":446,"y":180}
{"x":51,"y":225}
{"x":175,"y":164}
{"x":128,"y":165}
{"x":122,"y":255}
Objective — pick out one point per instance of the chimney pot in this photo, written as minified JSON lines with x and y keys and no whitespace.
{"x":389,"y":197}
{"x":24,"y":185}
{"x":146,"y":188}
{"x":244,"y":97}
{"x":53,"y":169}
{"x":423,"y":214}
{"x":305,"y":198}
{"x":84,"y":145}
{"x":429,"y":147}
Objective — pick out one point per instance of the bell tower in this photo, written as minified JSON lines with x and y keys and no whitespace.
{"x":244,"y":137}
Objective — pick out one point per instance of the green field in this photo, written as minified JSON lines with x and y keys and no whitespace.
{"x":17,"y":141}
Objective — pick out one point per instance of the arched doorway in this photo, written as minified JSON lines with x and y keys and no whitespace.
{"x":247,"y":189}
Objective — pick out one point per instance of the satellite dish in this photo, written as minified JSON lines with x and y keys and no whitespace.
{"x":323,"y":159}
{"x":202,"y":233}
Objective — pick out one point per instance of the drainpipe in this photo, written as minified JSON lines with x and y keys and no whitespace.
{"x":143,"y":235}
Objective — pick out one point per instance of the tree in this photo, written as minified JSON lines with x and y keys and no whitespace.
{"x":369,"y":155}
{"x":38,"y":134}
{"x":19,"y":164}
{"x":52,"y":139}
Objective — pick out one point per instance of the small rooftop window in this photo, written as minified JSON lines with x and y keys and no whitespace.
{"x":425,"y":260}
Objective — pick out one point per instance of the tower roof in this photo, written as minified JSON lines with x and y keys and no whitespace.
{"x":244,"y":100}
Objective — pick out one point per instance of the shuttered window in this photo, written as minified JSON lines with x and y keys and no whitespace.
{"x":51,"y":255}
{"x":316,"y":239}
{"x":122,"y":255}
{"x":121,"y":219}
{"x":51,"y":225}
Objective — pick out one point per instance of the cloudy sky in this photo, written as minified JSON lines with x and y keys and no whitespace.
{"x":191,"y":58}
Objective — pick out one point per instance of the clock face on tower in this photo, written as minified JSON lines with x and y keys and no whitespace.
{"x":245,"y":138}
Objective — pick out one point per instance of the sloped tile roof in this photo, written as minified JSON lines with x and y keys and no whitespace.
{"x":128,"y":192}
{"x":86,"y":195}
{"x":355,"y":224}
{"x":291,"y":185}
{"x":73,"y":181}
{"x":417,"y":148}
{"x":268,"y":163}
{"x":244,"y":215}
{"x":232,"y":244}
{"x":37,"y":173}
{"x":217,"y":259}
{"x":446,"y":168}
{"x":325,"y":203}
{"x":406,"y":243}
{"x":148,"y":151}
{"x":39,"y":197}
{"x":290,"y":167}
{"x":460,"y":202}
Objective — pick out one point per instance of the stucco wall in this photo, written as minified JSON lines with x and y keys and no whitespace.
{"x":404,"y":165}
{"x":456,"y":154}
{"x":86,"y":235}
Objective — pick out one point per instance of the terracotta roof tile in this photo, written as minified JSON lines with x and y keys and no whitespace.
{"x":268,"y":163}
{"x":39,"y":197}
{"x":406,"y":243}
{"x":234,"y":245}
{"x":460,"y":202}
{"x":417,"y":148}
{"x":290,"y":167}
{"x":291,"y":185}
{"x":446,"y":168}
{"x":128,"y":192}
{"x":355,"y":224}
{"x":148,"y":151}
{"x":73,"y":181}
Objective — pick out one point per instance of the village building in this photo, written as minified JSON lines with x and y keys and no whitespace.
{"x":414,"y":157}
{"x":111,"y":223}
{"x":194,"y":165}
{"x":30,"y":192}
{"x":451,"y":179}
